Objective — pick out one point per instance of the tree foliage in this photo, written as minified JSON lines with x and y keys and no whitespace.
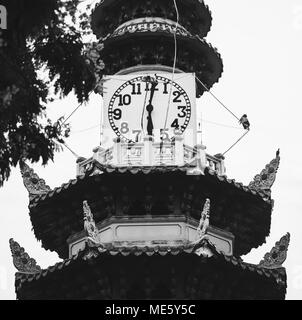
{"x":40,"y":34}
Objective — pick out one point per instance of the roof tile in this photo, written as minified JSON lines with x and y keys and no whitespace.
{"x":145,"y":170}
{"x":150,"y":251}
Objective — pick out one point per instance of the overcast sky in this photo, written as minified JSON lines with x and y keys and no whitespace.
{"x":260,"y":44}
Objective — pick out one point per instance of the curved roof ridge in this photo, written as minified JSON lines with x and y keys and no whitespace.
{"x":35,"y":185}
{"x":149,"y":251}
{"x":264,"y":181}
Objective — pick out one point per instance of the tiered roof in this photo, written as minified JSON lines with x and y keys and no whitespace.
{"x":123,"y":273}
{"x":133,"y":34}
{"x":241,"y":210}
{"x":195,"y":16}
{"x":244,"y":211}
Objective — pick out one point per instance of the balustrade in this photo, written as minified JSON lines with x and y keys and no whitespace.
{"x":150,"y":153}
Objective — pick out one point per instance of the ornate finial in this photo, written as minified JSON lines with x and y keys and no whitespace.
{"x":89,"y":224}
{"x":202,"y":244}
{"x":34,"y":185}
{"x":265,"y":180}
{"x":275,"y":258}
{"x":93,"y":240}
{"x":22,"y":261}
{"x":204,"y":220}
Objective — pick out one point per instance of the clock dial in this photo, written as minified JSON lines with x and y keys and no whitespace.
{"x":129,"y":108}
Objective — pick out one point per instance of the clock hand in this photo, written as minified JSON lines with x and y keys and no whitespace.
{"x":146,"y":79}
{"x":150,"y":108}
{"x":149,"y":118}
{"x":153,"y":86}
{"x":142,"y":117}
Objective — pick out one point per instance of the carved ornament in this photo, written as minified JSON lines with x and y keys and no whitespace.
{"x":32,"y":182}
{"x":22,"y":261}
{"x":276,"y":257}
{"x":265,"y":180}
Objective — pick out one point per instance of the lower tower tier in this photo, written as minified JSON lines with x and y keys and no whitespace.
{"x":152,"y":273}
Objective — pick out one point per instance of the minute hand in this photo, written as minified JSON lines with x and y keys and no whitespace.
{"x":149,"y":109}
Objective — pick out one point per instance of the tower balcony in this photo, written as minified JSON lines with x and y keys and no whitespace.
{"x":154,"y":154}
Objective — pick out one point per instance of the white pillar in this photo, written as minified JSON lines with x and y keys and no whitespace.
{"x":179,"y":151}
{"x":79,"y":169}
{"x":97,"y":154}
{"x":148,"y":151}
{"x":201,"y":162}
{"x":201,"y":156}
{"x":221,"y":168}
{"x":116,"y":152}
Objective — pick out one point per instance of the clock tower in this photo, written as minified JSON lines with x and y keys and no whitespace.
{"x":150,"y":214}
{"x":151,"y":56}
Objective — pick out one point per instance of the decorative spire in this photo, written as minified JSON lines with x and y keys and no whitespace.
{"x":89,"y":224}
{"x":265,"y":180}
{"x":202,"y":244}
{"x":93,"y":241}
{"x":34,"y":185}
{"x":204,"y":220}
{"x":275,"y":258}
{"x":22,"y":261}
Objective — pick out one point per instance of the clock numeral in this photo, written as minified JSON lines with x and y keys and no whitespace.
{"x":175,"y":124}
{"x":165,"y":88}
{"x":164,"y":134}
{"x":177,"y":94}
{"x":117,"y":114}
{"x":124,"y":127}
{"x":148,"y":86}
{"x":137,"y":132}
{"x":136,"y":88}
{"x":183,"y":113}
{"x":124,"y":99}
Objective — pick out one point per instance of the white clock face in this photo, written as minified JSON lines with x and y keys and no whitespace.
{"x":127,"y":114}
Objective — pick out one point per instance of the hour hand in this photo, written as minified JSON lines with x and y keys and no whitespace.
{"x":149,"y":109}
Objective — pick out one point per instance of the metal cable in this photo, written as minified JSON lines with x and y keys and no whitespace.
{"x":74,"y":111}
{"x":66,"y":146}
{"x":87,"y":129}
{"x":174,"y":62}
{"x":221,"y":124}
{"x":233,"y":145}
{"x":222,"y":104}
